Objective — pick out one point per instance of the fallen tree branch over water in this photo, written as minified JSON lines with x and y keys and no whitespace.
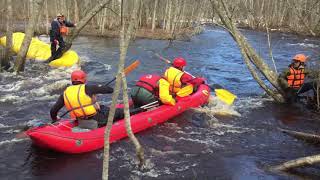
{"x":300,"y":162}
{"x":303,"y":136}
{"x":255,"y":63}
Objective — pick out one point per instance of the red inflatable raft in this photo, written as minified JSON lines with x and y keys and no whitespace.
{"x":60,"y":137}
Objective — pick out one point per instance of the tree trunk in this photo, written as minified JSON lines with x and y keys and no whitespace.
{"x":8,"y":53}
{"x":312,"y":138}
{"x":76,"y":11}
{"x":300,"y":162}
{"x":154,"y":15}
{"x":248,"y":52}
{"x":21,"y":57}
{"x":124,"y":43}
{"x":47,"y":17}
{"x":83,"y":22}
{"x":168,"y":24}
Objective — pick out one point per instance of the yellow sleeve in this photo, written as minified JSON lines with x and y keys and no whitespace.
{"x":164,"y":93}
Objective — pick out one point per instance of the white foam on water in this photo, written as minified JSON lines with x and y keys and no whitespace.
{"x":169,"y":139}
{"x":9,"y":98}
{"x":157,"y":152}
{"x":217,"y":107}
{"x":208,"y":141}
{"x":246,"y":104}
{"x":309,"y":45}
{"x":13,"y":87}
{"x":4,"y":126}
{"x":11,"y":141}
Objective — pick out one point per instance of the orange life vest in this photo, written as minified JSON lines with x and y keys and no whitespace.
{"x":64,"y":29}
{"x":78,"y":102}
{"x":296,"y":78}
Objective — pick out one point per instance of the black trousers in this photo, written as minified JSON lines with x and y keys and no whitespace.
{"x":292,"y":94}
{"x":57,"y":53}
{"x":103,"y":113}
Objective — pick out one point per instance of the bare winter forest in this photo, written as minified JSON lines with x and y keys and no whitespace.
{"x":165,"y":18}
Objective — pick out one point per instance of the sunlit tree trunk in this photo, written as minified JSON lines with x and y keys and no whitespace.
{"x":21,"y":57}
{"x":249,"y":54}
{"x":47,"y":17}
{"x":76,"y":11}
{"x":8,"y":53}
{"x":125,"y":37}
{"x":154,"y":15}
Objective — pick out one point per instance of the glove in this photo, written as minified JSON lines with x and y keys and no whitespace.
{"x":55,"y":120}
{"x":56,"y":42}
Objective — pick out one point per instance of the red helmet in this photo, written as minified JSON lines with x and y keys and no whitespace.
{"x":179,"y":62}
{"x":300,"y":57}
{"x":79,"y":76}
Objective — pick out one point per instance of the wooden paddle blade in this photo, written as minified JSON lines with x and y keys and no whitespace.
{"x":225,"y":96}
{"x":132,"y":66}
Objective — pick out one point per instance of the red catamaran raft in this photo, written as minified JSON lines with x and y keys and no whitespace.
{"x":60,"y":137}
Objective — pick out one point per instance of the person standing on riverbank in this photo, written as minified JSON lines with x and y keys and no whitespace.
{"x":59,"y":28}
{"x":292,"y":79}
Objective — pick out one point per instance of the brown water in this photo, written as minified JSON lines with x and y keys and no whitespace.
{"x":195,"y":145}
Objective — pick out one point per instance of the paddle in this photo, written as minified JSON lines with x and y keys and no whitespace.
{"x":223,"y":94}
{"x":128,"y":69}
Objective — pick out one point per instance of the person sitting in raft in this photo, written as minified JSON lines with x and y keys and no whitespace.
{"x":292,"y":80}
{"x":146,"y":90}
{"x":58,"y":30}
{"x":177,"y":82}
{"x":80,"y":101}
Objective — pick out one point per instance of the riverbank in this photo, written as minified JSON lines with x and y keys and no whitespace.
{"x":160,"y":34}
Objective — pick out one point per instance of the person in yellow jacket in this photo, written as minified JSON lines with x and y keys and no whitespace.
{"x":79,"y":100}
{"x":176,"y":82}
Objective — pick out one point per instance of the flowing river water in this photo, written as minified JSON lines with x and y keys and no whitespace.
{"x":199,"y":144}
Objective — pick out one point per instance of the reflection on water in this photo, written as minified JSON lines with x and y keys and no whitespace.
{"x":213,"y":142}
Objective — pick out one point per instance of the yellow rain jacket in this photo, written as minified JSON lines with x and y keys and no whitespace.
{"x":173,"y":76}
{"x":164,"y":93}
{"x":171,"y":85}
{"x":78,"y":102}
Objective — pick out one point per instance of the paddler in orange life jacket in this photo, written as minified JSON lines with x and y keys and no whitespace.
{"x":293,"y":79}
{"x":80,"y":100}
{"x":59,"y":28}
{"x":177,"y":83}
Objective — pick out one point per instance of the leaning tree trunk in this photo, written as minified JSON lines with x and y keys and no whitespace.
{"x":154,"y":15}
{"x":21,"y":57}
{"x":124,"y":43}
{"x":249,"y":54}
{"x":83,"y":22}
{"x":5,"y":63}
{"x":300,"y":162}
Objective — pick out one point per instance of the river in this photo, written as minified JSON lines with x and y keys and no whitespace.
{"x":194,"y":145}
